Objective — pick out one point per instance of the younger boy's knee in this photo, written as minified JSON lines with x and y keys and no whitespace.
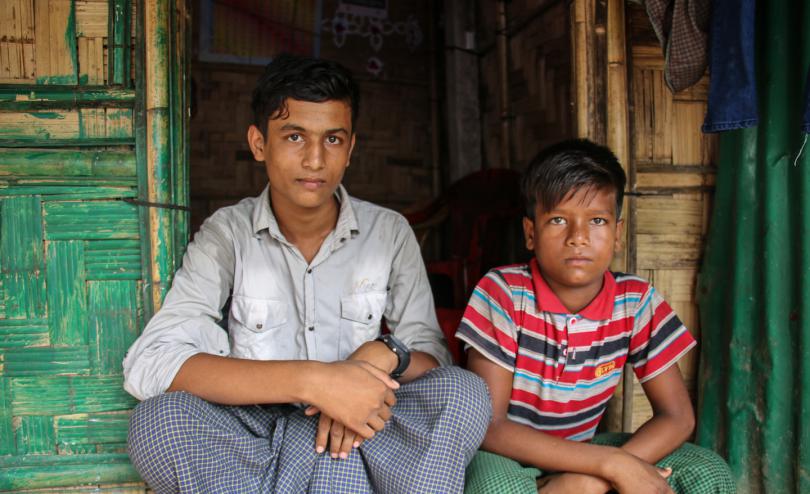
{"x":699,"y":470}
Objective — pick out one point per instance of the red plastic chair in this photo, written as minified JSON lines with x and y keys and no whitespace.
{"x":480,"y":215}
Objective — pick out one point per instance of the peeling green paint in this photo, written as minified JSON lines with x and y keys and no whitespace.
{"x":47,"y":115}
{"x":70,"y":42}
{"x":67,"y":299}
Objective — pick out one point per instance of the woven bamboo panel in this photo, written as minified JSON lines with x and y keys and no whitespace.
{"x":17,"y":63}
{"x":72,"y":295}
{"x":67,"y":124}
{"x":675,"y":174}
{"x":71,"y":267}
{"x":54,"y":41}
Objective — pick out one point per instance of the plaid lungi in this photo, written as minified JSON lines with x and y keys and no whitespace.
{"x":181,"y":443}
{"x":695,"y":470}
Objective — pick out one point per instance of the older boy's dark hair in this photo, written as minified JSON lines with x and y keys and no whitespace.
{"x":562,"y":168}
{"x":304,"y":79}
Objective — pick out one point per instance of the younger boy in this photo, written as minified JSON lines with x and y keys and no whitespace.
{"x":551,"y":337}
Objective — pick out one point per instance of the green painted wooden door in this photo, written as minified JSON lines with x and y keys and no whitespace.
{"x":78,"y":233}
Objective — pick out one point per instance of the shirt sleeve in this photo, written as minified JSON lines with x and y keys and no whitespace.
{"x":659,"y":337}
{"x":488,"y":324}
{"x":186,"y":323}
{"x":409,"y":312}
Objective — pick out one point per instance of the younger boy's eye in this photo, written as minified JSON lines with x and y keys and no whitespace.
{"x":294,"y":137}
{"x":333,"y":140}
{"x":599,"y":221}
{"x":557,"y":221}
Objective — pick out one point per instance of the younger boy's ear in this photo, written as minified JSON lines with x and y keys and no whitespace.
{"x":256,"y":142}
{"x":528,"y":232}
{"x":619,"y":242}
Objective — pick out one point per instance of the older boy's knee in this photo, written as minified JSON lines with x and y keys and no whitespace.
{"x":465,"y":399}
{"x":157,"y":423}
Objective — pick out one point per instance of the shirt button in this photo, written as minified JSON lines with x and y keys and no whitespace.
{"x":572,"y":321}
{"x":311,"y":328}
{"x":309,"y":270}
{"x":370,"y":317}
{"x":259,"y":326}
{"x":342,"y":239}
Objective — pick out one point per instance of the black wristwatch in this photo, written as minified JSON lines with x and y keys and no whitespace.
{"x":400,"y":350}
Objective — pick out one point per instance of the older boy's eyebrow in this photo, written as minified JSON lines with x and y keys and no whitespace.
{"x":298,"y":128}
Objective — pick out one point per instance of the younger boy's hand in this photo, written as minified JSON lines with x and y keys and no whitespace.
{"x":572,"y":483}
{"x":630,"y":474}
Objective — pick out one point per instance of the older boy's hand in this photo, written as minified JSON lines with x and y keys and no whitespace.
{"x":629,"y":474}
{"x":377,"y":354}
{"x":356,"y":394}
{"x":339,"y":438}
{"x":572,"y":483}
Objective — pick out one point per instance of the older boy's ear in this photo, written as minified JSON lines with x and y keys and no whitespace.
{"x":528,"y":232}
{"x":256,"y":142}
{"x":351,"y":148}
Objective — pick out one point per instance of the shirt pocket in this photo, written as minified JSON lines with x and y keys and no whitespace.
{"x":254,"y":326}
{"x":360,"y":317}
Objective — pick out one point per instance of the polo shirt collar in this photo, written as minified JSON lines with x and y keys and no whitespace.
{"x":600,"y":308}
{"x":263,"y":217}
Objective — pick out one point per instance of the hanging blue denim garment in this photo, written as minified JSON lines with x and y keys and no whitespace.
{"x":732,"y":83}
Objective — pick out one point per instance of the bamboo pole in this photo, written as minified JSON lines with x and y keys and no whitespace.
{"x":180,"y":90}
{"x":22,"y":98}
{"x":581,"y":22}
{"x":158,"y":148}
{"x":588,"y":40}
{"x":434,"y":104}
{"x":118,"y":42}
{"x":618,"y":141}
{"x":61,"y":143}
{"x":503,"y":80}
{"x":66,"y":162}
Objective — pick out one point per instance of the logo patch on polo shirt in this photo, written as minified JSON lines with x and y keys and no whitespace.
{"x":604,"y":369}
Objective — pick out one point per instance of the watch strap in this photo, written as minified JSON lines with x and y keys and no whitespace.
{"x":400,"y":350}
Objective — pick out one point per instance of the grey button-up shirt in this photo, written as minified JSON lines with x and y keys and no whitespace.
{"x":368,"y":268}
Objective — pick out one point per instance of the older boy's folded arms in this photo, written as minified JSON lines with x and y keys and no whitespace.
{"x":551,"y":337}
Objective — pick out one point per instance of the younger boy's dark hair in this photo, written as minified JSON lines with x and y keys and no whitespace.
{"x":563,"y":168}
{"x":304,"y":79}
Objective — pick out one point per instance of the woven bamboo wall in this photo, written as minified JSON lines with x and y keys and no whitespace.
{"x":59,"y":50}
{"x":675,"y":174}
{"x":71,"y":270}
{"x":391,"y":164}
{"x":539,"y":69}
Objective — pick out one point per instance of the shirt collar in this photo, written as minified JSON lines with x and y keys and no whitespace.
{"x":600,"y":308}
{"x":263,"y":217}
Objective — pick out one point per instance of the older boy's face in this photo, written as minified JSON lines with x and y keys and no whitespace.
{"x":574,"y":243}
{"x":305,"y":154}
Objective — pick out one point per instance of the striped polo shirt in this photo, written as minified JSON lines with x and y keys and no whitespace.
{"x":566,"y":366}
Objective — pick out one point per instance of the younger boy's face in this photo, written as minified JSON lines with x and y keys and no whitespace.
{"x":574,"y":243}
{"x":305,"y":153}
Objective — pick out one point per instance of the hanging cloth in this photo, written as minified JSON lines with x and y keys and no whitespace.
{"x":682,"y":29}
{"x":732,"y":83}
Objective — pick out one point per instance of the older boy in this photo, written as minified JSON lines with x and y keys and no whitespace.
{"x":551,"y":337}
{"x":311,"y":273}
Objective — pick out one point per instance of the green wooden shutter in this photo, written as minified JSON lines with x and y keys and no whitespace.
{"x":92,"y":185}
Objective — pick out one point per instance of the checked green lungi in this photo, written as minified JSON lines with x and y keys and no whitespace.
{"x":695,"y":470}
